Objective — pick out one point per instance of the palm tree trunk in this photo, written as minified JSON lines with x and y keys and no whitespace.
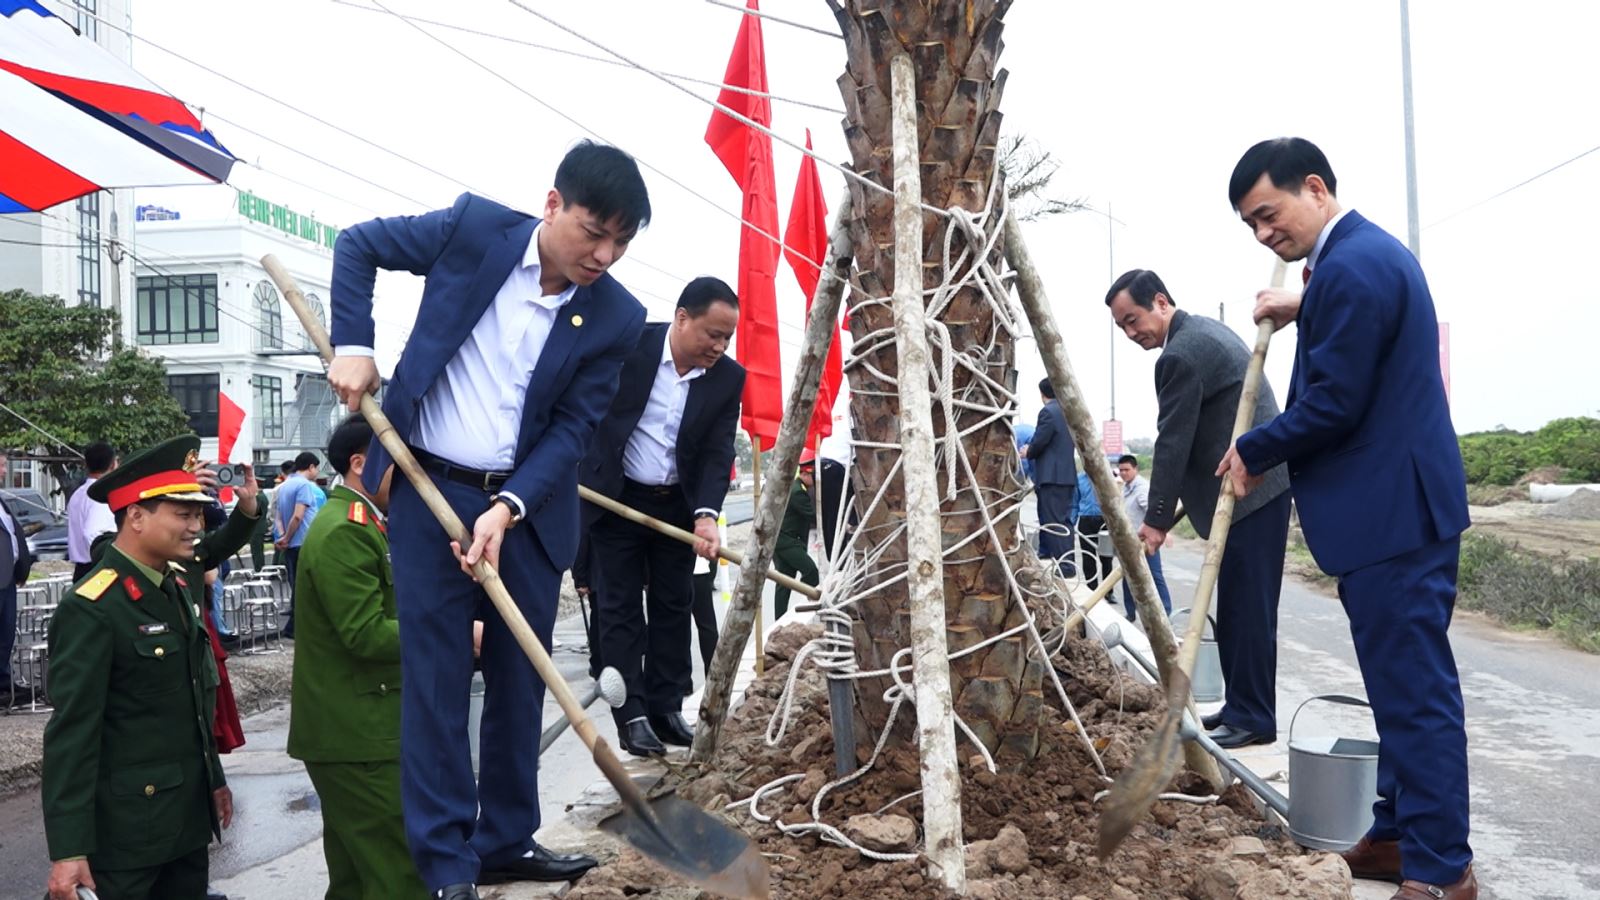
{"x":954,"y":45}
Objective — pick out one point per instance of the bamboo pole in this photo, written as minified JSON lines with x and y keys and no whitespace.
{"x":930,"y":653}
{"x":820,"y":327}
{"x":1053,"y":348}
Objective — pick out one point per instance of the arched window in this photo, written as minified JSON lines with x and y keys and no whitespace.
{"x":269,"y":319}
{"x":315,"y":302}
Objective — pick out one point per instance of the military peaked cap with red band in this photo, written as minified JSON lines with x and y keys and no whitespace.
{"x":164,"y":472}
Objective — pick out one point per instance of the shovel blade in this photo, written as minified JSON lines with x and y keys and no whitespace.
{"x":687,"y":840}
{"x":1137,"y":788}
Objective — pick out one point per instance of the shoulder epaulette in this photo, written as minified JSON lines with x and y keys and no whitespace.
{"x":358,"y":513}
{"x":96,"y":585}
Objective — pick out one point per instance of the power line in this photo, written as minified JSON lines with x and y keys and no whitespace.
{"x":599,"y":59}
{"x":781,"y":21}
{"x":1521,"y":184}
{"x":29,"y":422}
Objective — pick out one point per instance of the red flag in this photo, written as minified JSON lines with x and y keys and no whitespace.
{"x":230,"y":422}
{"x":747,"y":154}
{"x":805,"y":246}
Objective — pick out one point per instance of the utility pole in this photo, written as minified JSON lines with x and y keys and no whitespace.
{"x":1414,"y":231}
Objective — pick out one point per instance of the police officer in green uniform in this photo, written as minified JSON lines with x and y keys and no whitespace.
{"x":133,"y":788}
{"x":344,"y":719}
{"x":791,"y":556}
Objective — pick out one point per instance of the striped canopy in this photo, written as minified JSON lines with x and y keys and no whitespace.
{"x":74,"y":119}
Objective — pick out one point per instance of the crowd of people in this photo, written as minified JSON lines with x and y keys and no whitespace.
{"x":532,"y":371}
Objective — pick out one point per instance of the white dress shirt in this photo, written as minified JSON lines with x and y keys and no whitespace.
{"x":1322,"y":238}
{"x":651,"y":456}
{"x":86,"y":520}
{"x":473,"y":413}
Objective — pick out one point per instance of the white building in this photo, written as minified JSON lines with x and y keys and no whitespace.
{"x":204,"y":305}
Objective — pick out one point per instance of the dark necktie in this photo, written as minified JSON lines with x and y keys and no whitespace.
{"x":1305,"y":276}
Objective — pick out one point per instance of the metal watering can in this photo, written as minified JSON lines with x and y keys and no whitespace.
{"x":1333,"y":782}
{"x":1207,"y":684}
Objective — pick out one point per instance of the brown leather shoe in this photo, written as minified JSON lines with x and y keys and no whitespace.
{"x":1465,"y":889}
{"x":1377,"y":860}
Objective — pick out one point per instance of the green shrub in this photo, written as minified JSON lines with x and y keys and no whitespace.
{"x":1503,"y":456}
{"x":1524,"y":589}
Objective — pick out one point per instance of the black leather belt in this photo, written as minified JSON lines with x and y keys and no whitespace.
{"x":488,"y":482}
{"x":658,"y":490}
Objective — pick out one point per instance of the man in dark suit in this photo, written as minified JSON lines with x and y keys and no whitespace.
{"x":512,"y":361}
{"x":665,"y":449}
{"x":16,"y":561}
{"x":1368,"y":438}
{"x":1055,"y":479}
{"x":1199,"y":378}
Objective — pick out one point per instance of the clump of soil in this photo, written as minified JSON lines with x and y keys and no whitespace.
{"x":1580,"y":504}
{"x":1029,"y":833}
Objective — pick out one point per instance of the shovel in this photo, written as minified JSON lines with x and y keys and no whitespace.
{"x":1156,"y":762}
{"x":668,"y":830}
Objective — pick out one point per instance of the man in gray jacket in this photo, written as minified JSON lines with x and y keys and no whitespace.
{"x":1199,"y":379}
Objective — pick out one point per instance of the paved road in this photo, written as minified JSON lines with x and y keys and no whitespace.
{"x":1533,"y":723}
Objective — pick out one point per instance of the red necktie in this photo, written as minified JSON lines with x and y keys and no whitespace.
{"x":1305,"y":276}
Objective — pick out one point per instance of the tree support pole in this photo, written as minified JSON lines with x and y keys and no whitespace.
{"x":930,"y":654}
{"x":1053,"y":348}
{"x":820,"y":328}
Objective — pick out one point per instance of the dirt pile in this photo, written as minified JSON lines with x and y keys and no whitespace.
{"x":1580,"y":504}
{"x":1029,"y":833}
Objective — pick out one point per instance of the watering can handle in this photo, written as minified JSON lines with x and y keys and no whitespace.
{"x":1184,"y":610}
{"x":1342,"y":699}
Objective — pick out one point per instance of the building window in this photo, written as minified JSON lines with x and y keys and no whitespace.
{"x":88,"y":25}
{"x":315,"y":302}
{"x":177,"y":309}
{"x":197,"y":394}
{"x":89,"y":249}
{"x":269,"y":406}
{"x":18,"y":474}
{"x":269,"y":318}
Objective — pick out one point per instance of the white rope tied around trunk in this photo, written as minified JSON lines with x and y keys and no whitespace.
{"x":857,"y":568}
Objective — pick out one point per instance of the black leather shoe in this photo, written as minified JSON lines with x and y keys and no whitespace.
{"x":1230,"y":738}
{"x":539,"y":864}
{"x":639,"y":739}
{"x":672,"y":729}
{"x":1211,"y":722}
{"x":214,"y":894}
{"x":457,"y":892}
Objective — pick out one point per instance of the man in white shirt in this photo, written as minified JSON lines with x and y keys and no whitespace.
{"x":512,"y":361}
{"x":86,"y":519}
{"x":664,"y":448}
{"x":1136,"y":500}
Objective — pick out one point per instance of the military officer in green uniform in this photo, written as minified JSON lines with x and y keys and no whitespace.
{"x":791,"y":556}
{"x":344,"y":718}
{"x":133,"y":788}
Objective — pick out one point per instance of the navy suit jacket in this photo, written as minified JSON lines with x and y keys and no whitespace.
{"x":1051,"y":448}
{"x":466,"y":252}
{"x":1372,"y":453}
{"x":705,"y":436}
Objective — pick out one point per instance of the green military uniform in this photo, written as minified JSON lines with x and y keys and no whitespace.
{"x":130,"y":767}
{"x":344,"y":721}
{"x":790,"y":556}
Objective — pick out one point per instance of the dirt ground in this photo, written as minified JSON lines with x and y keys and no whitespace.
{"x":1029,"y":834}
{"x":1538,"y":529}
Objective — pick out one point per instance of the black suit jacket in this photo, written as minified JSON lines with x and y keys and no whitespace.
{"x":705,"y":437}
{"x":18,"y":566}
{"x":1051,"y":448}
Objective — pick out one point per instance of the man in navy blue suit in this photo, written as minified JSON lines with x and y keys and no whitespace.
{"x":512,"y":361}
{"x":1368,"y":438}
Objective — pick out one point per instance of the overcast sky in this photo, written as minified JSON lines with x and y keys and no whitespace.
{"x":1145,"y":105}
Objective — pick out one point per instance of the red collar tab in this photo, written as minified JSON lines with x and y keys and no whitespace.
{"x":131,"y":585}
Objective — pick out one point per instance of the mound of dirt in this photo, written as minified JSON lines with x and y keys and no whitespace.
{"x":1580,"y":504}
{"x":1029,"y":833}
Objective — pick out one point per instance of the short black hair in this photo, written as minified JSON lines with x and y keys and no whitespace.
{"x":305,"y":460}
{"x":1287,"y":161}
{"x":1128,"y":458}
{"x":1046,"y":388}
{"x":286,"y":466}
{"x":606,"y":182}
{"x":149,"y":505}
{"x":699,"y":294}
{"x":98,"y":457}
{"x":352,"y":436}
{"x":1142,"y":285}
